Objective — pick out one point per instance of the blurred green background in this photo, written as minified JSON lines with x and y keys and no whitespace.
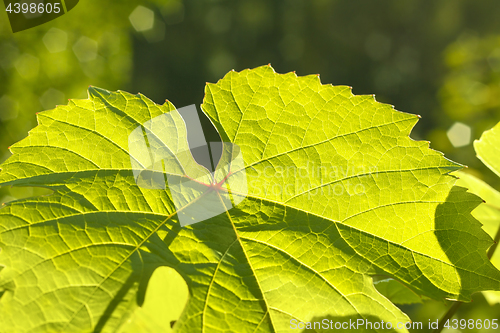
{"x":436,"y":58}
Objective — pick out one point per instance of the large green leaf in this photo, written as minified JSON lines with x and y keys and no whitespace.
{"x":162,"y":306}
{"x":336,"y":192}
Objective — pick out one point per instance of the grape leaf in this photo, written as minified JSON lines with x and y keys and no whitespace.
{"x":335,"y":191}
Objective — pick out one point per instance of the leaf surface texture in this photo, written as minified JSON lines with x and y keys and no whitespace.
{"x":336,"y":192}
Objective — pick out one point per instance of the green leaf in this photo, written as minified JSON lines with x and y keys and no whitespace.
{"x":396,"y":292}
{"x":488,"y":213}
{"x":332,"y":191}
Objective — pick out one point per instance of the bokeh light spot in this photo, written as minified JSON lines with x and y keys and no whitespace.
{"x":27,"y":66}
{"x":156,"y":34}
{"x":142,"y":18}
{"x":51,"y":97}
{"x":55,"y":40}
{"x":292,"y":47}
{"x":85,"y":49}
{"x":218,"y":19}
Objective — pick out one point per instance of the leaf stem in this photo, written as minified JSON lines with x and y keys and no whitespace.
{"x":451,"y":311}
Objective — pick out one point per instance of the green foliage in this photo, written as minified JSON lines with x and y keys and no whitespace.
{"x":337,"y":192}
{"x":488,"y":151}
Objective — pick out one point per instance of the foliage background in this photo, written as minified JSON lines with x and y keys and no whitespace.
{"x":436,"y":58}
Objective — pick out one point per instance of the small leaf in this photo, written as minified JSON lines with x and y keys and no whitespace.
{"x":488,"y":149}
{"x":488,"y":213}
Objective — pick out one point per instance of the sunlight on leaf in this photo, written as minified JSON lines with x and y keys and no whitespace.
{"x":337,"y":192}
{"x":488,"y":151}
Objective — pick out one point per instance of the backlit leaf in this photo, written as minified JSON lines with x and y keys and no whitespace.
{"x":320,"y":188}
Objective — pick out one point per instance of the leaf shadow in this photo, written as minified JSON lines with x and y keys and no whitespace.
{"x":143,"y":266}
{"x":465,"y":243}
